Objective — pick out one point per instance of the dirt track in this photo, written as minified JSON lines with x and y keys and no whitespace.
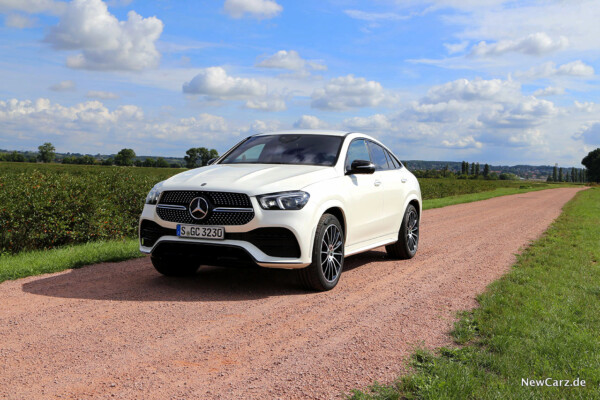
{"x":120,"y":330}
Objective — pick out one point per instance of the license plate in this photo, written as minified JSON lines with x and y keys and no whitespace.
{"x":201,"y":232}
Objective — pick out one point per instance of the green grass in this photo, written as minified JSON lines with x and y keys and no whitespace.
{"x":45,"y":261}
{"x":541,"y":320}
{"x":502,"y":191}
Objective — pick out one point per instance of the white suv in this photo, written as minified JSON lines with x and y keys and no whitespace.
{"x":294,"y":199}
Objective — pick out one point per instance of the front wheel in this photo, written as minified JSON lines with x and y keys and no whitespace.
{"x":327,"y":258}
{"x":178,"y":266}
{"x":408,"y":237}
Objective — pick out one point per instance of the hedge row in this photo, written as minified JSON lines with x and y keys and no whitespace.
{"x":45,"y":206}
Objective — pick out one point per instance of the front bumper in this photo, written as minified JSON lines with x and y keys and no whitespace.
{"x":299,"y":222}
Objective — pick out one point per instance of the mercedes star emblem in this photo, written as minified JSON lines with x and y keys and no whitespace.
{"x":198,"y":208}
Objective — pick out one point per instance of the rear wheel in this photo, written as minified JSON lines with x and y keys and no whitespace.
{"x":408,"y":237}
{"x":175,"y":266}
{"x":328,"y":256}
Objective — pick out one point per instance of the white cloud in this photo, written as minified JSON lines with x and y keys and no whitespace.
{"x":102,"y":95}
{"x":214,"y":82}
{"x":535,"y":44}
{"x":347,"y":92}
{"x":33,"y":6}
{"x":549,"y":91}
{"x":105,"y":42}
{"x":467,"y":142}
{"x":473,"y":90}
{"x":289,"y":60}
{"x":589,"y":133}
{"x":373,"y":16}
{"x":310,"y":122}
{"x":573,"y":69}
{"x":261,"y":9}
{"x":267,"y":104}
{"x":63,"y":86}
{"x":18,"y":21}
{"x":587,"y":106}
{"x":454,"y":48}
{"x":259,"y":126}
{"x":377,"y":122}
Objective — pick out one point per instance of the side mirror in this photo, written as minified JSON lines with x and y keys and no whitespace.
{"x":361,"y":167}
{"x":211,"y":161}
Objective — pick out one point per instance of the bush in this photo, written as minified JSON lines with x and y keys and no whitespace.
{"x":44,"y":206}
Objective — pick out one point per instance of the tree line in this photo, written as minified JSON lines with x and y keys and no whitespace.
{"x":468,"y":171}
{"x":577,"y":175}
{"x":195,"y":157}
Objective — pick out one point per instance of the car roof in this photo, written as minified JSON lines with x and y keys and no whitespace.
{"x":307,"y":132}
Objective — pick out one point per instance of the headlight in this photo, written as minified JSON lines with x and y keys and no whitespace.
{"x":154,"y":194}
{"x":283,"y":200}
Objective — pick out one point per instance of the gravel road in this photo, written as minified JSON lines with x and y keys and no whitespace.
{"x":120,"y":330}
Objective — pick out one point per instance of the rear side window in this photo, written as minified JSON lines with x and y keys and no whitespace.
{"x":357,"y":151}
{"x":378,"y":157}
{"x":392,"y":160}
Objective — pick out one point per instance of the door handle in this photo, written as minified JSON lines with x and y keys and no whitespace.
{"x":377,"y":183}
{"x":403,"y":180}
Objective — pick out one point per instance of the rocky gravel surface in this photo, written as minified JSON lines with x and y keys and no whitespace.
{"x":121,"y":330}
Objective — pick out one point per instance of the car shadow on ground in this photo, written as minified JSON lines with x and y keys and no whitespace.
{"x":136,"y":280}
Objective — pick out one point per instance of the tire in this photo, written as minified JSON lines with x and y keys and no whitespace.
{"x":408,"y":238}
{"x":327,"y":257}
{"x":179,"y":266}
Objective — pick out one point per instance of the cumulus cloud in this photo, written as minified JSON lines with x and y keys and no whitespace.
{"x":33,"y":6}
{"x":215,"y":83}
{"x":63,"y":86}
{"x":467,"y":142}
{"x":549,"y":91}
{"x":573,"y":69}
{"x":260,"y":9}
{"x":473,"y":90}
{"x":18,"y":21}
{"x":290,"y":60}
{"x":268,"y":104}
{"x":526,"y":113}
{"x":105,"y":42}
{"x":310,"y":122}
{"x":347,"y":92}
{"x":99,"y":94}
{"x":535,"y":44}
{"x":589,"y":134}
{"x":372,"y":123}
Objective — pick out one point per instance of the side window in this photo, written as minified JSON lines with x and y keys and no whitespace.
{"x":357,"y":151}
{"x":378,"y":157}
{"x":392,"y":160}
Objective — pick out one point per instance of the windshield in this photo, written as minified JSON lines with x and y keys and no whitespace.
{"x":287,"y":149}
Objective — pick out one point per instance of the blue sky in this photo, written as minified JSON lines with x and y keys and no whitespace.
{"x":489,"y":80}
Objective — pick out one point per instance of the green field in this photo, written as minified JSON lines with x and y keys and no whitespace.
{"x":540,"y":321}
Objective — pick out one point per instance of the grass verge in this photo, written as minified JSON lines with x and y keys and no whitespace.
{"x":470,"y":197}
{"x":44,"y":261}
{"x":539,"y":321}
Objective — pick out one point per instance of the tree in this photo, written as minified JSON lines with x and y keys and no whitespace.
{"x":462,"y":168}
{"x":15,"y":157}
{"x":161,"y":163}
{"x":108,"y":161}
{"x":47,"y":152}
{"x":573,"y":175}
{"x":592,"y":165}
{"x":125,"y":157}
{"x":486,"y":171}
{"x":567,"y":177}
{"x":477,"y":169}
{"x":560,"y":175}
{"x":472,"y":168}
{"x":149,"y":162}
{"x":555,"y":174}
{"x":466,"y":168}
{"x":199,"y":156}
{"x":445,"y":170}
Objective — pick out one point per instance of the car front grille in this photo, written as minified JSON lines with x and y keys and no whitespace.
{"x":226,"y":208}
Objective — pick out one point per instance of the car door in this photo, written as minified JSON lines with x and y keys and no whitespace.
{"x":391,"y":184}
{"x":364,"y":200}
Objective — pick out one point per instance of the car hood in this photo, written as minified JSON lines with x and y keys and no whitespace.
{"x":251,"y":179}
